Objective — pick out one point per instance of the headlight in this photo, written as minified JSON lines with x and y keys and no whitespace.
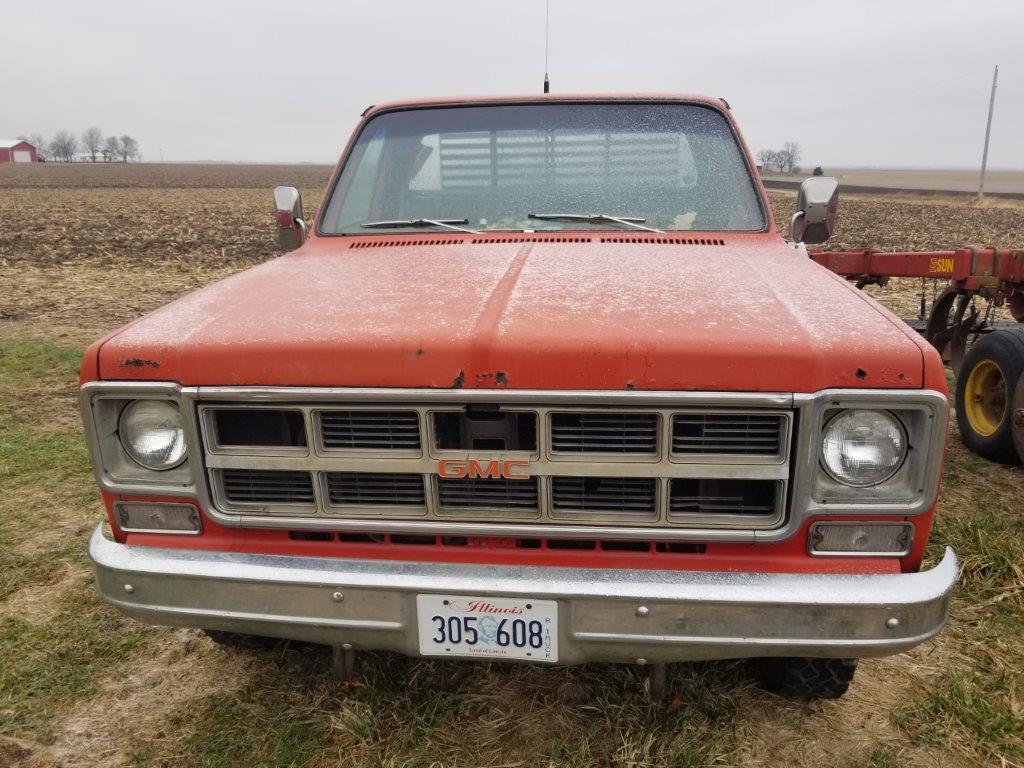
{"x":863,"y":448}
{"x":152,"y":434}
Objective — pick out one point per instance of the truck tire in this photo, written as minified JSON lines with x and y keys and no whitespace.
{"x":985,"y":387}
{"x":1018,"y":419}
{"x":243,"y":642}
{"x":801,"y":678}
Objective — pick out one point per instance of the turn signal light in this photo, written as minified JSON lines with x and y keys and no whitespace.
{"x":158,"y":517}
{"x":847,"y":538}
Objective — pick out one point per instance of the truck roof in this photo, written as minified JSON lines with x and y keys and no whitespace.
{"x":535,"y":98}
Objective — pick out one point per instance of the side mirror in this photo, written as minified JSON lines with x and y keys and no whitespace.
{"x":816,"y":206}
{"x":291,"y":227}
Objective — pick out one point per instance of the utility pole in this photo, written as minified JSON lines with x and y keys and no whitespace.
{"x":547,"y":26}
{"x":988,"y":130}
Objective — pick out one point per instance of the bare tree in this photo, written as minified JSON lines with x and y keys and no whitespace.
{"x":64,"y":145}
{"x":92,"y":140}
{"x":793,"y":153}
{"x":129,"y":148}
{"x":767,"y":158}
{"x":37,"y":141}
{"x":111,"y":149}
{"x":782,"y":160}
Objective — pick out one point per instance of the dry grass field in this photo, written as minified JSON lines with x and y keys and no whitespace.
{"x":84,"y":249}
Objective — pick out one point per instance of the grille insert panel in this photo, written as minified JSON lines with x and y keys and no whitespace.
{"x":623,"y":433}
{"x":370,"y":430}
{"x":259,"y":427}
{"x":266,"y":486}
{"x":633,"y":498}
{"x":610,"y":466}
{"x":375,"y":489}
{"x":516,"y":497}
{"x":693,"y":497}
{"x":740,"y":434}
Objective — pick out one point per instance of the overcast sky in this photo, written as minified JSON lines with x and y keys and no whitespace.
{"x":868,"y":83}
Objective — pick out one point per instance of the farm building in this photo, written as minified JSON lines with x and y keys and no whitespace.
{"x":17,"y":151}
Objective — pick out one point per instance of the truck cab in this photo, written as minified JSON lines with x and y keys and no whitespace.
{"x":540,"y":382}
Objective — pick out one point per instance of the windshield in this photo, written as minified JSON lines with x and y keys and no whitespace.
{"x":570,"y":166}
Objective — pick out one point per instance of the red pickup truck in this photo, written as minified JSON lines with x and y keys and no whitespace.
{"x":542,"y":382}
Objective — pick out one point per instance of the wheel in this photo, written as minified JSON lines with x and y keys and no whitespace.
{"x":1018,"y":419}
{"x":801,"y":678}
{"x":984,"y":390}
{"x":243,"y":642}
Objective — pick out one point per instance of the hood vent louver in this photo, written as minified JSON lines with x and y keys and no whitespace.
{"x":657,"y":240}
{"x":530,"y":238}
{"x":403,"y":243}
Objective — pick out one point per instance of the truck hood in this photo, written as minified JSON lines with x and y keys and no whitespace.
{"x":742,"y":313}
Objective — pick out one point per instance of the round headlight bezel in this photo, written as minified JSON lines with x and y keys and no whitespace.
{"x":132,"y":451}
{"x":846,"y":481}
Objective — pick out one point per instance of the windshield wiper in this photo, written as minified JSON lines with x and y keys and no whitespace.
{"x":398,"y":223}
{"x":626,"y":221}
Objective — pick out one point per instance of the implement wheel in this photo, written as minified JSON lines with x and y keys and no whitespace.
{"x":985,"y":386}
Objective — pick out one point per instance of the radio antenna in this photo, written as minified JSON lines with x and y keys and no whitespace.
{"x":547,"y":26}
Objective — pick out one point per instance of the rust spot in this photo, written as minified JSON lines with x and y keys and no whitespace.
{"x":861,"y":373}
{"x":483,"y":377}
{"x":630,"y":384}
{"x":459,"y":380}
{"x":139,"y":362}
{"x":418,"y":352}
{"x":501,"y":379}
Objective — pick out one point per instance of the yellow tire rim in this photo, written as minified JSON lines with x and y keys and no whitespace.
{"x":985,"y":398}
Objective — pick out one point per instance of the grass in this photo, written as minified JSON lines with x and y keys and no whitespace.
{"x":977,"y":711}
{"x":396,"y":716}
{"x":974,"y":706}
{"x":50,"y":666}
{"x":43,"y":470}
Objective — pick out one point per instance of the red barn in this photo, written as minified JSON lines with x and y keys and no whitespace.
{"x":17,"y":151}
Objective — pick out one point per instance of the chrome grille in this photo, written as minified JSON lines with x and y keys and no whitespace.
{"x":485,"y":459}
{"x":727,"y":434}
{"x":375,"y":489}
{"x":370,"y":430}
{"x":513,"y":496}
{"x":611,"y":432}
{"x":248,"y":486}
{"x":619,"y":497}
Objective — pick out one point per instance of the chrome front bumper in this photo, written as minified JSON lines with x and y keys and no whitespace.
{"x":604,"y":614}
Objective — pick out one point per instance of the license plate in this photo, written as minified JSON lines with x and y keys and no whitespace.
{"x":488,"y":628}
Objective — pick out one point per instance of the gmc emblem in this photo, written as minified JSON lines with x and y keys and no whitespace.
{"x":496,"y":468}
